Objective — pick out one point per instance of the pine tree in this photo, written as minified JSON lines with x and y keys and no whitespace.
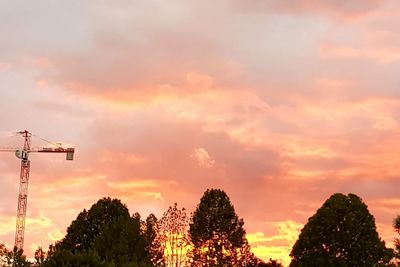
{"x":341,"y":233}
{"x":216,"y":232}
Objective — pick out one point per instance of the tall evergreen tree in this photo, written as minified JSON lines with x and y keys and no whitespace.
{"x":216,"y":232}
{"x":341,"y":234}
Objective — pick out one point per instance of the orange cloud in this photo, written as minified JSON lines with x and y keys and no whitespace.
{"x":276,"y":246}
{"x":349,"y":10}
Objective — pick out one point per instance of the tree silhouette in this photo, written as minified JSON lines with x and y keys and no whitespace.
{"x":83,"y":231}
{"x":153,"y":246}
{"x":120,"y":242}
{"x":172,"y":236}
{"x":216,"y":232}
{"x":67,"y":258}
{"x":15,"y":257}
{"x":341,"y":233}
{"x":40,"y":256}
{"x":105,"y":235}
{"x":396,"y":225}
{"x":3,"y":254}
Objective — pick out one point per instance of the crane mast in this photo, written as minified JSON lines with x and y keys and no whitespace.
{"x":23,"y":190}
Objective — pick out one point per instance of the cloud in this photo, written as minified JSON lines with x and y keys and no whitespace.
{"x":7,"y":225}
{"x":276,"y":246}
{"x":335,"y":8}
{"x":34,"y":227}
{"x":203,"y":158}
{"x":382,"y":55}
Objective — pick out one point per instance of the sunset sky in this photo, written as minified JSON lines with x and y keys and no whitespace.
{"x":280,"y":103}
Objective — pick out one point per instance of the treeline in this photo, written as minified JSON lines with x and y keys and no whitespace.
{"x":342,"y":233}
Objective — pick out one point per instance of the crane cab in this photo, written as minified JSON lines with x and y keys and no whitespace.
{"x":21,"y":154}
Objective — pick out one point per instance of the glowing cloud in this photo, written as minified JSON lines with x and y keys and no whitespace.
{"x":276,"y":246}
{"x":203,"y":158}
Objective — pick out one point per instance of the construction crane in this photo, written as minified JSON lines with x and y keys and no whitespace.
{"x":23,"y":154}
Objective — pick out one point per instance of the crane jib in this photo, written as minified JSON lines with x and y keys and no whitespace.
{"x":23,"y":154}
{"x":69,"y":151}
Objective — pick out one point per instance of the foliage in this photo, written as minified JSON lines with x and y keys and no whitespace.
{"x":260,"y":263}
{"x":3,"y":254}
{"x":216,"y":232}
{"x":253,"y":261}
{"x":153,"y":245}
{"x":341,"y":233}
{"x":40,"y":256}
{"x":271,"y":263}
{"x":14,"y":258}
{"x":396,"y":225}
{"x":118,"y":242}
{"x":172,"y":237}
{"x":105,"y":235}
{"x":66,"y":258}
{"x":83,"y":231}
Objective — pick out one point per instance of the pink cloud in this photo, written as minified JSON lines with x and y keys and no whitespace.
{"x":383,"y":55}
{"x":336,"y":9}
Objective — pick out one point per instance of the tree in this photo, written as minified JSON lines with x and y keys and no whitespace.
{"x":150,"y":227}
{"x":216,"y":232}
{"x":67,"y":258}
{"x":3,"y":255}
{"x":172,"y":237}
{"x":248,"y":259}
{"x":396,"y":225}
{"x":120,"y":242}
{"x":40,"y":256}
{"x":341,"y":233}
{"x":83,"y":231}
{"x":260,"y":263}
{"x":105,"y":235}
{"x":271,"y":263}
{"x":15,"y":258}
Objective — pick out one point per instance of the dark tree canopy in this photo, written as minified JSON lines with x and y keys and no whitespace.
{"x":341,"y":233}
{"x":150,"y":234}
{"x":83,"y":231}
{"x":105,"y":235}
{"x":120,"y":242}
{"x":216,"y":232}
{"x":65,"y":258}
{"x":253,"y":261}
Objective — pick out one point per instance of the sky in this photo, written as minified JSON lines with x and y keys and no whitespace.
{"x":278,"y":103}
